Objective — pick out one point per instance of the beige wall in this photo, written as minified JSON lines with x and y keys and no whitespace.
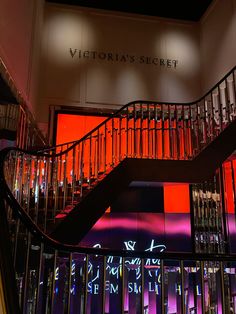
{"x":218,"y":42}
{"x":102,"y":83}
{"x":205,"y":52}
{"x":19,"y":43}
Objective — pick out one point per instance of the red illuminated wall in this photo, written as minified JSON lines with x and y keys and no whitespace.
{"x":229,"y":177}
{"x":72,"y":127}
{"x":176,"y":198}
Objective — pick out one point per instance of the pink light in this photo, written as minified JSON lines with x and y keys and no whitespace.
{"x":153,"y":223}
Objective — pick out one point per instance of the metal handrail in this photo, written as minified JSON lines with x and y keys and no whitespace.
{"x":115,"y":114}
{"x":7,"y":195}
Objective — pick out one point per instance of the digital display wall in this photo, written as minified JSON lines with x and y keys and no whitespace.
{"x":152,"y":218}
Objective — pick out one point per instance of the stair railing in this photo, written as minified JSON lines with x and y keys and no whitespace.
{"x":55,"y":278}
{"x":49,"y":183}
{"x":58,"y":278}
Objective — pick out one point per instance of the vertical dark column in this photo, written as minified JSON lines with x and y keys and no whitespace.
{"x":192,"y":219}
{"x":162,"y":287}
{"x":202,"y":286}
{"x":9,"y":114}
{"x":222,"y":193}
{"x":6,"y":264}
{"x":85,"y":285}
{"x":222,"y":283}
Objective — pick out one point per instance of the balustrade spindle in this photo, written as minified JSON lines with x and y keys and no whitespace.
{"x":202,"y":287}
{"x":69,"y":285}
{"x":222,"y":283}
{"x":162,"y":287}
{"x":39,"y":278}
{"x":52,"y":278}
{"x":37,"y":189}
{"x":47,"y":171}
{"x":127,"y":132}
{"x":98,"y":154}
{"x":26,"y":273}
{"x":104,"y":264}
{"x":65,"y":179}
{"x":183,"y":311}
{"x":85,"y":293}
{"x":81,"y":166}
{"x":55,"y":189}
{"x":122,"y":285}
{"x":142,"y":285}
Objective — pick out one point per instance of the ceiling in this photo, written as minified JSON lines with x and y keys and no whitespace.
{"x":191,"y":10}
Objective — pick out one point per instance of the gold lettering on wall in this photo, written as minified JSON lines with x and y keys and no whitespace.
{"x":113,"y":57}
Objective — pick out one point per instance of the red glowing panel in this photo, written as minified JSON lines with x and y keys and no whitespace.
{"x":176,"y":198}
{"x":229,"y":198}
{"x":234,"y":168}
{"x":72,"y":127}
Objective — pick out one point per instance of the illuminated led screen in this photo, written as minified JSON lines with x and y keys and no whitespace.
{"x":151,"y":219}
